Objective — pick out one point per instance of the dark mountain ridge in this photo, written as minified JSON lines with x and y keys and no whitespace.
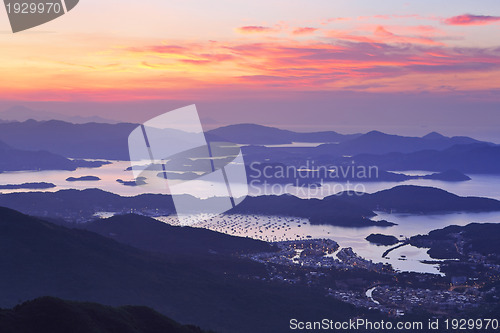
{"x":53,"y":315}
{"x":419,"y":200}
{"x":90,"y":140}
{"x":376,"y":142}
{"x":80,"y":206}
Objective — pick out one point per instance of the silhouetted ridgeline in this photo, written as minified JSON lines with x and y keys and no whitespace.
{"x":345,"y":209}
{"x":152,"y":235}
{"x":419,"y":199}
{"x":333,"y":212}
{"x":80,"y":206}
{"x":91,"y":140}
{"x":53,"y":315}
{"x":22,"y":113}
{"x":376,"y":142}
{"x":469,"y":158}
{"x":12,"y":159}
{"x":258,"y":134}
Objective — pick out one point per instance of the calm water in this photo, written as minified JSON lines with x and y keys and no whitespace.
{"x":278,"y":228}
{"x":480,"y":185}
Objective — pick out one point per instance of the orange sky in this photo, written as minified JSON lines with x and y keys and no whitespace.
{"x":382,"y":52}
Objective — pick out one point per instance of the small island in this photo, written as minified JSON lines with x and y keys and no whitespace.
{"x":379,"y":239}
{"x":83,"y":178}
{"x":30,"y":186}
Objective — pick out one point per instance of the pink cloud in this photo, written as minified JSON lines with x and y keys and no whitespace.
{"x":469,"y":19}
{"x":255,"y":29}
{"x":304,"y":31}
{"x":335,"y":19}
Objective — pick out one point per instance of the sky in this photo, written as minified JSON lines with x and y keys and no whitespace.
{"x":407,"y":67}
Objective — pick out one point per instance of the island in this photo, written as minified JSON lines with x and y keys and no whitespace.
{"x":83,"y":179}
{"x":30,"y":186}
{"x":379,"y":239}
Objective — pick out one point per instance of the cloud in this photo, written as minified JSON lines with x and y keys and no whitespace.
{"x":304,"y":31}
{"x":256,"y":29}
{"x":381,"y":35}
{"x":160,"y":49}
{"x":469,"y":19}
{"x":368,"y":57}
{"x":335,"y":19}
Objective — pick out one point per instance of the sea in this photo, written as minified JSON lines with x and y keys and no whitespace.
{"x":279,"y":228}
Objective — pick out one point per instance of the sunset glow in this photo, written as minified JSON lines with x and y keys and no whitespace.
{"x":378,"y":53}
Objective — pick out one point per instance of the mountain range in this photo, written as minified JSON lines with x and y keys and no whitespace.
{"x":433,"y":152}
{"x":418,"y":200}
{"x":345,"y":209}
{"x":82,"y":205}
{"x":109,"y":141}
{"x":22,"y":113}
{"x":224,"y":294}
{"x":470,"y":158}
{"x":376,"y":142}
{"x":258,"y":134}
{"x":90,"y":140}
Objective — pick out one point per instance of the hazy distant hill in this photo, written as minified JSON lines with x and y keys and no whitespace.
{"x":12,"y":159}
{"x":333,"y":212}
{"x":388,"y":152}
{"x":258,"y":134}
{"x":110,"y":141}
{"x":91,"y":140}
{"x":53,"y":315}
{"x":76,"y":205}
{"x":376,"y":142}
{"x":419,"y":199}
{"x":22,"y":113}
{"x":469,"y":158}
{"x":346,"y":209}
